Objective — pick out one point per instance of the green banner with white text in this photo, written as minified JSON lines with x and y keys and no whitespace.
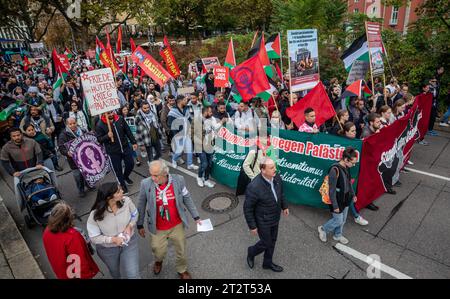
{"x":303,"y":160}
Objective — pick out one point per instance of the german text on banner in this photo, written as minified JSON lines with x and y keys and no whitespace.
{"x":167,"y":54}
{"x":150,"y":66}
{"x":90,"y":158}
{"x":221,"y":76}
{"x":303,"y":58}
{"x":384,"y":154}
{"x":303,"y":160}
{"x":100,"y":91}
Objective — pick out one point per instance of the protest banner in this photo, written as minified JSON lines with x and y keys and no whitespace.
{"x":167,"y":54}
{"x":221,"y":76}
{"x":90,"y":158}
{"x":358,"y":71}
{"x":303,"y":59}
{"x":375,"y":43}
{"x":209,"y":63}
{"x":303,"y":160}
{"x":185,"y":90}
{"x":384,"y":154}
{"x":100,"y":91}
{"x":150,"y":66}
{"x":38,"y":50}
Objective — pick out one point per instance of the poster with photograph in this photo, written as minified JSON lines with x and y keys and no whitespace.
{"x":303,"y":59}
{"x":210,"y":62}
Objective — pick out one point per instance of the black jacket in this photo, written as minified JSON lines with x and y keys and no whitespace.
{"x":122,"y":134}
{"x":260,"y":207}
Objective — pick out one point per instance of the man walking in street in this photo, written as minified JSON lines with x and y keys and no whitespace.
{"x":264,"y":201}
{"x":119,"y":150}
{"x":165,"y":198}
{"x":148,"y":132}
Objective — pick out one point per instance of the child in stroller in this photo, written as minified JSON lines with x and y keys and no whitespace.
{"x":40,"y":191}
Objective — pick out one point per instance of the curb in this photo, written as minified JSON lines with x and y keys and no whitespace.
{"x":20,"y":263}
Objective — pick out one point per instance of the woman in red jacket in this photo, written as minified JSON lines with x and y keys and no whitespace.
{"x":66,"y":248}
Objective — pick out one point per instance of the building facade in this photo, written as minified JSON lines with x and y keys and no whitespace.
{"x":396,"y":18}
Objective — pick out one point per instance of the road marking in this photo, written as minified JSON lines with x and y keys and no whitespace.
{"x":365,"y":259}
{"x":429,"y":174}
{"x":185,"y":171}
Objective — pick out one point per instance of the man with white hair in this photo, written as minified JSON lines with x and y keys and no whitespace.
{"x":264,"y":201}
{"x":163,"y":197}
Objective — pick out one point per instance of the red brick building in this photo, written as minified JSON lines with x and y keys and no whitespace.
{"x":396,"y":18}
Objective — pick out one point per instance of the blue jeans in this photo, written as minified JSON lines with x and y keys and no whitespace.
{"x":122,"y":262}
{"x":182,"y":144}
{"x":446,"y":115}
{"x":353,"y":209}
{"x":210,"y":98}
{"x":336,"y":224}
{"x":205,"y":165}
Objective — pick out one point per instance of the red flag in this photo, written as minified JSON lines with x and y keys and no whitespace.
{"x":317,"y":99}
{"x":250,"y":78}
{"x":26,"y":63}
{"x":150,"y":66}
{"x":133,"y":45}
{"x":167,"y":54}
{"x":108,"y":39}
{"x":61,"y":62}
{"x":277,"y":67}
{"x":125,"y":66}
{"x":110,"y":60}
{"x":119,"y":40}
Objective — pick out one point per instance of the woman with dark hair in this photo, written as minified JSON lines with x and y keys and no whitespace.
{"x":66,"y":248}
{"x":343,"y":117}
{"x":341,"y":193}
{"x":111,"y":227}
{"x":386,"y":114}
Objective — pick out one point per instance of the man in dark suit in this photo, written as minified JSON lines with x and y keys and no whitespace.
{"x":264,"y":201}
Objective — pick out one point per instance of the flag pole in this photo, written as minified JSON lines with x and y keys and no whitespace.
{"x":281,"y":58}
{"x":370,"y":60}
{"x":254,"y":38}
{"x":109,"y":126}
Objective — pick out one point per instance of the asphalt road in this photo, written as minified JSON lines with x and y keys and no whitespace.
{"x":410,"y":233}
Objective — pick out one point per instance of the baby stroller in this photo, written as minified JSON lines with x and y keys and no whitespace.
{"x":38,"y":199}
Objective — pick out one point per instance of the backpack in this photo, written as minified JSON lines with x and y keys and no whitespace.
{"x":324,"y":189}
{"x":243,"y":179}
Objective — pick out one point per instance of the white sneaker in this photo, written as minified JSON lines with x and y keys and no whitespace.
{"x":181,"y":161}
{"x":192,"y":167}
{"x":410,"y":162}
{"x":198,"y":161}
{"x":444,"y":125}
{"x":341,"y":239}
{"x":200,"y":182}
{"x":174,"y":164}
{"x":209,"y":184}
{"x":361,"y":221}
{"x":322,"y":234}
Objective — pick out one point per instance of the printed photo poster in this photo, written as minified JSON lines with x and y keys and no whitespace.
{"x":209,"y":63}
{"x":38,"y":50}
{"x":303,"y":59}
{"x":131,"y":121}
{"x":358,"y":71}
{"x":100,"y":91}
{"x":90,"y":158}
{"x":375,"y":43}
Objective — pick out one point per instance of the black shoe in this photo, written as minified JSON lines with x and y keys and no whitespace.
{"x":391,"y":191}
{"x":372,"y":207}
{"x":59,"y":168}
{"x":250,"y":261}
{"x":82,"y":194}
{"x":398,"y":184}
{"x":274,"y":268}
{"x":129,"y":182}
{"x":91,"y":188}
{"x":138,"y":163}
{"x":125,"y":190}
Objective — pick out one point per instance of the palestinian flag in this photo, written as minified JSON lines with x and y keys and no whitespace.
{"x":273,"y":46}
{"x":235,"y":94}
{"x":68,"y":53}
{"x":357,"y":89}
{"x":99,"y":47}
{"x":358,"y":50}
{"x":59,"y":81}
{"x":8,"y":111}
{"x":230,"y":60}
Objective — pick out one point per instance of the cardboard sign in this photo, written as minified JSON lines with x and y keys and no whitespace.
{"x":221,"y":76}
{"x":185,"y":90}
{"x":210,"y":62}
{"x":100,"y":91}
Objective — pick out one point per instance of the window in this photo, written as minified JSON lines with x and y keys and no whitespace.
{"x":356,"y":10}
{"x":374,"y":9}
{"x":356,"y":1}
{"x":394,"y":16}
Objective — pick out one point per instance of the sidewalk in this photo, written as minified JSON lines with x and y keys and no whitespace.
{"x":16,"y":260}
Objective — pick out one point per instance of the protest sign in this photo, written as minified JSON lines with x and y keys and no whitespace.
{"x":303,"y":160}
{"x":100,"y":91}
{"x":150,"y":66}
{"x":131,"y":121}
{"x":167,"y":54}
{"x":221,"y":76}
{"x":209,"y":63}
{"x":185,"y":90}
{"x":303,"y":59}
{"x":90,"y":158}
{"x":384,"y":154}
{"x":358,"y":71}
{"x":38,"y":50}
{"x":375,"y":43}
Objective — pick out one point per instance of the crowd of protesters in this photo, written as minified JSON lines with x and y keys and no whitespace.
{"x":42,"y":119}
